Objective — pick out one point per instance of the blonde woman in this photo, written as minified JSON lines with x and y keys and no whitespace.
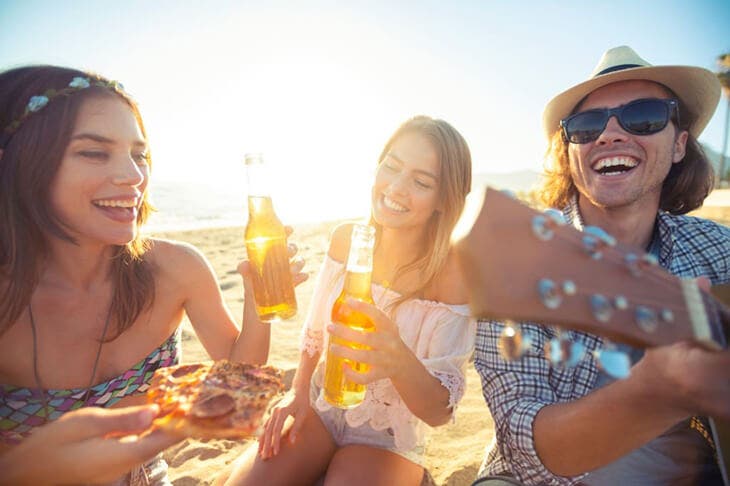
{"x":423,"y":335}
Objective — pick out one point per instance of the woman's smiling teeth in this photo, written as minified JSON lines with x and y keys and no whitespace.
{"x":393,"y":206}
{"x":116,"y":203}
{"x":615,"y":165}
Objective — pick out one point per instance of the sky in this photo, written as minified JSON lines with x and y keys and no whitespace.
{"x":319,"y":86}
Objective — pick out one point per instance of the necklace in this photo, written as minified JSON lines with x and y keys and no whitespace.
{"x":36,"y":375}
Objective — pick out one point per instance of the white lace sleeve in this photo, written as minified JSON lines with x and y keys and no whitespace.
{"x":456,"y":384}
{"x":326,"y":288}
{"x":449,"y":349}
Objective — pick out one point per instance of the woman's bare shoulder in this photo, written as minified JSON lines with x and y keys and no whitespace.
{"x":174,"y":256}
{"x":448,"y":286}
{"x":340,"y":241}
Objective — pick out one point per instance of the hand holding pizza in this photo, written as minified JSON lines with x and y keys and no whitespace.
{"x":103,"y":440}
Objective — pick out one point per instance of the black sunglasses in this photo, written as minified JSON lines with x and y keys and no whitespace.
{"x":640,"y":117}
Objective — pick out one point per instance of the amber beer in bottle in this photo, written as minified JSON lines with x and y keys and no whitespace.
{"x":338,"y":390}
{"x":267,"y":250}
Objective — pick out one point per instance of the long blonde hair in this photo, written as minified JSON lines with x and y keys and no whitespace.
{"x":454,"y":184}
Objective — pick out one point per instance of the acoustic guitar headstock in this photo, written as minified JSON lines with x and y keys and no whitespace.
{"x":524,"y":265}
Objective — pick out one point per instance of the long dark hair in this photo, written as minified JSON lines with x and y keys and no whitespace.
{"x":31,"y":157}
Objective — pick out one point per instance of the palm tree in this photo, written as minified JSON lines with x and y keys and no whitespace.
{"x":724,"y":76}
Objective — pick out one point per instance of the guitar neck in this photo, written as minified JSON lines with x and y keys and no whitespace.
{"x":514,"y":273}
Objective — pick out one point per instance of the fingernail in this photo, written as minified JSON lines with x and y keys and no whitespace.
{"x":330,"y":327}
{"x":147,"y":415}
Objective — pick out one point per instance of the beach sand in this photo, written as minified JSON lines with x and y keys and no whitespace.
{"x":454,"y":451}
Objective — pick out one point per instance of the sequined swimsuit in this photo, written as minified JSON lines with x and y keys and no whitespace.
{"x":22,"y":409}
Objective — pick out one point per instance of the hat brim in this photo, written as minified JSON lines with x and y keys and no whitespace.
{"x":698,"y":90}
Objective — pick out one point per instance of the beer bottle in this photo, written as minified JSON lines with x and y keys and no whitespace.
{"x":267,"y":249}
{"x":338,"y":390}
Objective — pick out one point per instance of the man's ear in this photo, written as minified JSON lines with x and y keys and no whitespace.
{"x":680,"y":146}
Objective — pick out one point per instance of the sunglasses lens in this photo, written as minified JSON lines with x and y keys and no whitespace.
{"x":585,"y":127}
{"x":645,"y":117}
{"x":641,"y":117}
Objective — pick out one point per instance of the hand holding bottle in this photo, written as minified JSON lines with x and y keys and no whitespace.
{"x":296,"y":265}
{"x":382,"y":349}
{"x":267,"y":248}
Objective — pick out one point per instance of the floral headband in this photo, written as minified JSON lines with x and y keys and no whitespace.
{"x":38,"y":102}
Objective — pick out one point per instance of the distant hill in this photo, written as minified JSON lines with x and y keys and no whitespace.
{"x":519,"y":181}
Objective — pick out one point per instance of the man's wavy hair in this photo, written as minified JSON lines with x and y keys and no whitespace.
{"x":29,"y":163}
{"x":685,"y":188}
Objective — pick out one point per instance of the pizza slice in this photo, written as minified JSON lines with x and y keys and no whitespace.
{"x":221,"y":399}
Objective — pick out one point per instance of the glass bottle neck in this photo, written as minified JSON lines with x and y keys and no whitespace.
{"x":357,"y":285}
{"x":260,"y":206}
{"x":257,"y":177}
{"x":360,"y":263}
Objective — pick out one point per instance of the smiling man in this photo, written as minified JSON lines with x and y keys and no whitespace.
{"x":624,"y":156}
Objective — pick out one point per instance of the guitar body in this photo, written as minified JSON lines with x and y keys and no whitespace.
{"x":522,"y":265}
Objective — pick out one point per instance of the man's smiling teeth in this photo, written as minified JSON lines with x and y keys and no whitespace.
{"x":393,"y":206}
{"x":615,"y":165}
{"x":117,"y":203}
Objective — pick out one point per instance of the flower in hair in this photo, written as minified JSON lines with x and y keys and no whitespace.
{"x":36,"y":103}
{"x":79,"y":83}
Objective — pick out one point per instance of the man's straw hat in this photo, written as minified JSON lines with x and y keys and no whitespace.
{"x":698,"y":89}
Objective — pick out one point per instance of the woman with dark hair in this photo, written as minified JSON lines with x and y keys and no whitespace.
{"x":89,"y":308}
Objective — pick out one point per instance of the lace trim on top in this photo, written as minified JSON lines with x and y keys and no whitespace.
{"x":455,"y":384}
{"x":312,"y":341}
{"x":382,"y":407}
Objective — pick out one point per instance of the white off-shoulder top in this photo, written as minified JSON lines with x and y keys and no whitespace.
{"x":440,"y":335}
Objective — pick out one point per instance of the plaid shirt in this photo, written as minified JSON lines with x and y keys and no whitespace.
{"x":515,"y":391}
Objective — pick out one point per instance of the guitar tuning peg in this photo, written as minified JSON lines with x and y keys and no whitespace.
{"x":650,"y":260}
{"x":569,"y":287}
{"x":556,"y":215}
{"x":512,"y":343}
{"x":595,"y":240}
{"x":637,"y":265}
{"x":601,"y":307}
{"x":614,"y":363}
{"x":543,"y":225}
{"x":646,"y":318}
{"x":561,"y":351}
{"x":667,"y":315}
{"x":620,"y":302}
{"x":549,"y":294}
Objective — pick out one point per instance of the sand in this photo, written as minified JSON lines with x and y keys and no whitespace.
{"x":454,"y":451}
